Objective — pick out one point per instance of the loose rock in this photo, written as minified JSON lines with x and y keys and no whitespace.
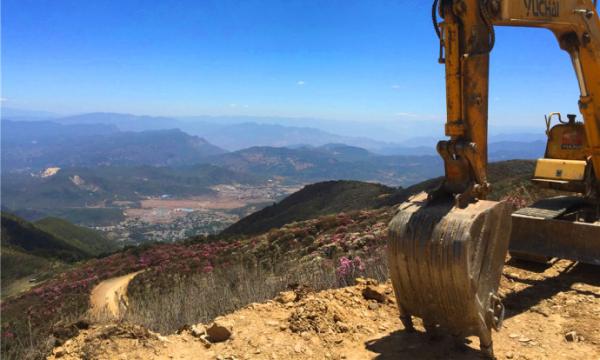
{"x":197,"y":330}
{"x":373,"y":306}
{"x":571,"y":336}
{"x":219,"y":331}
{"x":374,"y":293}
{"x":286,"y":297}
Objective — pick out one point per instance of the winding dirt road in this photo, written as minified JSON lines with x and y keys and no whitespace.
{"x":109,"y":297}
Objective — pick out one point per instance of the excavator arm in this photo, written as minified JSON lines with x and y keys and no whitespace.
{"x":446,"y":248}
{"x":466,"y":40}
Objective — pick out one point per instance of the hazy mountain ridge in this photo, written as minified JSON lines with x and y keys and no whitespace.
{"x":330,"y":162}
{"x":41,"y":144}
{"x":232,"y":133}
{"x":239,"y":132}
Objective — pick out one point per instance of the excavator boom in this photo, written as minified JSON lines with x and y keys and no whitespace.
{"x":447,"y":248}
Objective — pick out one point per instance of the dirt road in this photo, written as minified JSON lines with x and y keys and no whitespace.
{"x":109,"y":297}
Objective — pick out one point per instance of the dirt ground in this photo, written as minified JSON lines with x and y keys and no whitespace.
{"x":108,"y":297}
{"x":553,"y":312}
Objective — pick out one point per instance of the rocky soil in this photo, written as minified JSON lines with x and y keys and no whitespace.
{"x":553,"y":312}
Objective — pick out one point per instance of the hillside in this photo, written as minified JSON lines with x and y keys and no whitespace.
{"x":40,"y":248}
{"x":26,"y":236}
{"x":331,"y":197}
{"x":314,"y":200}
{"x":28,"y":251}
{"x":91,"y":241}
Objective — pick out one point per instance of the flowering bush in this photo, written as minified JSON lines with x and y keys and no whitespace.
{"x":349,"y":269}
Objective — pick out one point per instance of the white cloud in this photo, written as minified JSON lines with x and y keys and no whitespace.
{"x":2,"y":99}
{"x":300,"y":82}
{"x":232,"y":105}
{"x":396,"y":86}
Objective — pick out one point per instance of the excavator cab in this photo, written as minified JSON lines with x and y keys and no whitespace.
{"x":565,"y":226}
{"x":564,"y":164}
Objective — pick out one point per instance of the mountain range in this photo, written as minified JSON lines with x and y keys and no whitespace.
{"x":41,"y":144}
{"x":235,"y":133}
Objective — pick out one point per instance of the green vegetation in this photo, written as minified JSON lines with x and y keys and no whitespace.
{"x":91,"y":241}
{"x":38,"y":249}
{"x":89,"y":216}
{"x":17,"y":264}
{"x":22,"y":234}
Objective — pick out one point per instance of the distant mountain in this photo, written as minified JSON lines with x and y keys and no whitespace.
{"x":125,"y":122}
{"x":41,"y":144}
{"x":330,"y":162}
{"x":231,"y":133}
{"x":30,"y":133}
{"x":505,"y":150}
{"x":239,"y":132}
{"x":244,"y":135}
{"x":329,"y":197}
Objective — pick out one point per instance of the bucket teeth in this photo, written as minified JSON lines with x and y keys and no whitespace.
{"x":445,"y":263}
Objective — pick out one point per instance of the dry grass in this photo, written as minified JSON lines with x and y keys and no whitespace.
{"x":202,"y":297}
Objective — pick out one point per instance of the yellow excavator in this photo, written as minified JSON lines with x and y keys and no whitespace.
{"x":446,"y":248}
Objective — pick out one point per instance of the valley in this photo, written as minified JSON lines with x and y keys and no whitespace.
{"x":167,"y":218}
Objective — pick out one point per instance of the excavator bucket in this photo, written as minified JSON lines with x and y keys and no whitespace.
{"x":547,"y":230}
{"x":445,"y":264}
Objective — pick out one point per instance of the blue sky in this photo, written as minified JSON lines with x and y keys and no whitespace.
{"x":372,"y":61}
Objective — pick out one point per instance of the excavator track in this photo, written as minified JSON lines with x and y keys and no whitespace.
{"x":445,"y":264}
{"x":540,"y":232}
